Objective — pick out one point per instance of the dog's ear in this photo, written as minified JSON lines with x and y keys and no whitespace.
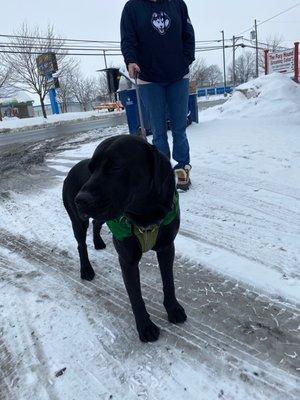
{"x":163,"y":177}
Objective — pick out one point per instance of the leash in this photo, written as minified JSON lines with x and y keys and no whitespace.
{"x":137,"y":89}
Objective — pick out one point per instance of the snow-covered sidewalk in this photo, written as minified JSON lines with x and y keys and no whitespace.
{"x":247,"y":158}
{"x":237,"y":273}
{"x":242,"y":216}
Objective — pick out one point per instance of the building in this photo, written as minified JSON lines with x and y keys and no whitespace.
{"x":16,"y":103}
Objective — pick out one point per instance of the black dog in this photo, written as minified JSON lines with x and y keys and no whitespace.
{"x":130,"y":178}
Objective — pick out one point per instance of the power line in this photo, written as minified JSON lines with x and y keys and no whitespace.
{"x":81,"y":40}
{"x":287,"y":22}
{"x":282,"y":12}
{"x":211,"y":41}
{"x":57,"y":39}
{"x":39,"y":50}
{"x":66,"y":40}
{"x":274,"y":16}
{"x":72,"y":49}
{"x":108,"y":48}
{"x":61,"y":53}
{"x":266,"y":45}
{"x":94,"y":54}
{"x":52,"y":48}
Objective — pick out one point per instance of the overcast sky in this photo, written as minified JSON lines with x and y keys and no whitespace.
{"x":99,"y":20}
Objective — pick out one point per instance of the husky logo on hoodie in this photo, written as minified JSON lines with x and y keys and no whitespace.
{"x":161,"y":22}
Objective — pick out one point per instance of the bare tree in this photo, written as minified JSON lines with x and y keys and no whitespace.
{"x":205,"y":75}
{"x":24,"y":48}
{"x":214,"y":75}
{"x":199,"y":72}
{"x":102,"y":89}
{"x":65,"y":91}
{"x":84,"y":89}
{"x":4,"y":78}
{"x":272,"y":43}
{"x":74,"y":86}
{"x":244,"y":68}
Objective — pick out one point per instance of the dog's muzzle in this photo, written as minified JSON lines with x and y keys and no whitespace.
{"x":84,"y":202}
{"x":89,"y":207}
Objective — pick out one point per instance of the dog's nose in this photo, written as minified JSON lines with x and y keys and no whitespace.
{"x":83,"y":200}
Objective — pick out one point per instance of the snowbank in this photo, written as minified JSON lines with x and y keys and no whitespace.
{"x":267,"y":96}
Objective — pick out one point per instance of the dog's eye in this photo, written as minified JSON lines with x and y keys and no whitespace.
{"x":117,"y":167}
{"x":111,"y":167}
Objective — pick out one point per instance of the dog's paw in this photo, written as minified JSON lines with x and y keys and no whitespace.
{"x":87,"y":274}
{"x":176,"y":313}
{"x":148,"y":332}
{"x":99,"y":244}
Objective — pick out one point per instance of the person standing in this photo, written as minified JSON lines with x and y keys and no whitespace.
{"x":158,"y":45}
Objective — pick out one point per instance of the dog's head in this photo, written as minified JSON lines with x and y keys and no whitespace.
{"x":161,"y":22}
{"x":125,"y":173}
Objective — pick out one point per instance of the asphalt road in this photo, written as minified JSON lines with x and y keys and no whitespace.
{"x":69,"y":128}
{"x":61,"y":130}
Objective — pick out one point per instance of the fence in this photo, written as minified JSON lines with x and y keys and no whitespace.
{"x":203,"y":92}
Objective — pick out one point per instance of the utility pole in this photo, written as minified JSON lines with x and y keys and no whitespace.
{"x":234,"y":47}
{"x":104,"y":55}
{"x":233,"y":61}
{"x":224,"y":62}
{"x":256,"y":45}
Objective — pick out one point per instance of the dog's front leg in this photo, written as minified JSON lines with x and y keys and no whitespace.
{"x":98,"y":241}
{"x":175,"y":311}
{"x":147,"y":330}
{"x":80,"y":230}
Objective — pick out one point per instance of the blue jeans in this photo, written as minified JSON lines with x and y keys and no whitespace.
{"x":157,"y":98}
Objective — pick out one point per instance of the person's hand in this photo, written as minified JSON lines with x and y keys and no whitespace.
{"x":133,"y":70}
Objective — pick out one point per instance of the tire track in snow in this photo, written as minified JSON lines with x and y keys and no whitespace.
{"x":8,"y":368}
{"x":218,"y":289}
{"x":93,"y":298}
{"x":8,"y":373}
{"x":196,"y":337}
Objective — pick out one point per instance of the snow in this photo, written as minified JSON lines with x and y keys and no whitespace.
{"x":239,"y":223}
{"x":17,"y":124}
{"x":246,"y":189}
{"x":246,"y":154}
{"x":17,"y":96}
{"x":274,"y":95}
{"x":212,"y":98}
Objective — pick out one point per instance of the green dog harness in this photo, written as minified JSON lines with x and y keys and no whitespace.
{"x":122,"y":228}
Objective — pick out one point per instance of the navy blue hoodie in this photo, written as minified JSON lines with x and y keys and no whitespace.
{"x":159,"y":37}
